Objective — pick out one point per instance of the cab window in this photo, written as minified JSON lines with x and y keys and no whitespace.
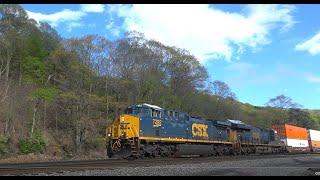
{"x":156,"y":113}
{"x":169,"y":114}
{"x":183,"y":117}
{"x":142,"y":112}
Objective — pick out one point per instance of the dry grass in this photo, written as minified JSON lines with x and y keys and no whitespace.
{"x":30,"y":158}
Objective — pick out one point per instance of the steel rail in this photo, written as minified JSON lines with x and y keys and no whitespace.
{"x":60,"y":166}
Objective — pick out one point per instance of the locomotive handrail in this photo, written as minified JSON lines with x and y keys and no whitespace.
{"x":134,"y":131}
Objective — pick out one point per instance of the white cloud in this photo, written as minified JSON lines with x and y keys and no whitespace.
{"x":311,"y":45}
{"x":95,"y":8}
{"x":67,"y":15}
{"x":73,"y":25}
{"x":270,"y":15}
{"x":312,"y":78}
{"x":115,"y":31}
{"x":58,"y":17}
{"x":205,"y":31}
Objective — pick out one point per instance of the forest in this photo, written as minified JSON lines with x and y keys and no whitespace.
{"x":58,"y":95}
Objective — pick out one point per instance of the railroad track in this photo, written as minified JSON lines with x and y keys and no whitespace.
{"x":61,"y":166}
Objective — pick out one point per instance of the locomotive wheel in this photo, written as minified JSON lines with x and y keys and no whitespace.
{"x":109,"y":152}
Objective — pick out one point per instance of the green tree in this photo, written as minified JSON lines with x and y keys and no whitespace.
{"x":34,"y":70}
{"x":41,"y":96}
{"x":301,"y":118}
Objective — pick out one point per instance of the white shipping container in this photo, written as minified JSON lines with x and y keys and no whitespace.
{"x":296,"y":142}
{"x":314,"y":135}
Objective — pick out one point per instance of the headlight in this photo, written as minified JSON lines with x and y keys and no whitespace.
{"x":109,"y":135}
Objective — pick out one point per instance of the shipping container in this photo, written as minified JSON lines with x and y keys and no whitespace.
{"x":315,"y":145}
{"x":286,"y":131}
{"x":314,"y":135}
{"x":314,"y":140}
{"x":297,"y":143}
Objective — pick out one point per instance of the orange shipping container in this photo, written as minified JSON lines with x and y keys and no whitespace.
{"x":291,"y":132}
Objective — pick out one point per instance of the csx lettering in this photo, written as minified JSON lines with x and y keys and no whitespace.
{"x":199,"y":130}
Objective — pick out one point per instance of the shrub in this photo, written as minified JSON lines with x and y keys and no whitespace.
{"x":99,"y":143}
{"x":36,"y":144}
{"x":3,"y":145}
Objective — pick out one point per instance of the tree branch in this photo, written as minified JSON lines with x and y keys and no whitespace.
{"x":5,"y":94}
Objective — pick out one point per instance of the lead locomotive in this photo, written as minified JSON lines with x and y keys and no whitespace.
{"x":149,"y":131}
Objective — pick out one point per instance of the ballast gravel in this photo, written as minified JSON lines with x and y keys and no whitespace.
{"x":286,"y":166}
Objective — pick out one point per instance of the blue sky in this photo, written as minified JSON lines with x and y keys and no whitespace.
{"x":260,"y":51}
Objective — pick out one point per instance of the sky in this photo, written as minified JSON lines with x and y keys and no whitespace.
{"x":260,"y":51}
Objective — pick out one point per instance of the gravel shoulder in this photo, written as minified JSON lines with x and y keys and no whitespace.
{"x":298,"y":165}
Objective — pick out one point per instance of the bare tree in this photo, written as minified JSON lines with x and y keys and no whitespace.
{"x":226,"y":106}
{"x":282,"y":102}
{"x":221,"y":89}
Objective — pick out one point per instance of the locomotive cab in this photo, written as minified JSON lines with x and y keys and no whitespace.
{"x":138,"y":110}
{"x":124,"y":132}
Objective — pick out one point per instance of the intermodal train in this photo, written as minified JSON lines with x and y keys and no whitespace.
{"x":146,"y":130}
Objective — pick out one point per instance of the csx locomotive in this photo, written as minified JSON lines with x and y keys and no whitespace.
{"x":150,"y":131}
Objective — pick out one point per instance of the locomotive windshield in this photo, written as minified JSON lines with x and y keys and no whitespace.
{"x":138,"y":111}
{"x":142,"y":112}
{"x":129,"y":111}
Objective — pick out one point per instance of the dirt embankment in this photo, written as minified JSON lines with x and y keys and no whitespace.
{"x":32,"y":158}
{"x":29,"y":158}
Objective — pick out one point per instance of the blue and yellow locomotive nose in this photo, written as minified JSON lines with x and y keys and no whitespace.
{"x":124,"y":127}
{"x":123,"y":135}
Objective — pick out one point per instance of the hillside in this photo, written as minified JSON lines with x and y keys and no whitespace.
{"x":315,"y":114}
{"x":266,"y":116}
